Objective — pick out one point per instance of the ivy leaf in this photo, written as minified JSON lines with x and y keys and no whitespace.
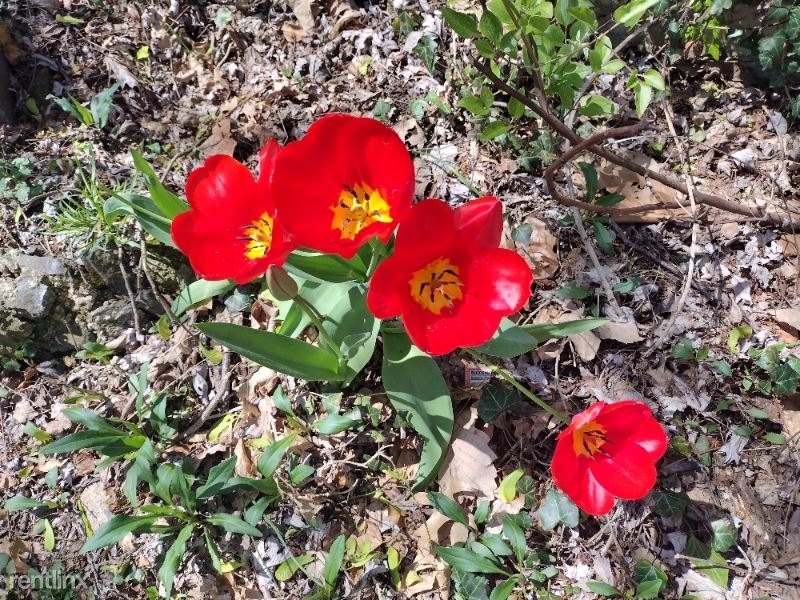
{"x":558,"y":508}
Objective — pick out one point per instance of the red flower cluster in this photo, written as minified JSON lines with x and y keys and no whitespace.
{"x":448,"y":278}
{"x":349,"y":179}
{"x":608,"y":451}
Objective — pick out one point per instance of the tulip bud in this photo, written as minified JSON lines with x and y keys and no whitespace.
{"x":281,"y":284}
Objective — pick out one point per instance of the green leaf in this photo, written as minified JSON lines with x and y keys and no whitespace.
{"x":516,"y":109}
{"x":573,"y":291}
{"x":785,"y":379}
{"x":670,"y":504}
{"x":265,"y":487}
{"x":146,"y":212}
{"x":723,"y":535}
{"x":300,"y":473}
{"x":200,"y":291}
{"x":596,"y":106}
{"x":101,"y":105}
{"x":629,"y":14}
{"x":468,"y":561}
{"x":561,"y":12}
{"x":683,"y":349}
{"x":117,"y":528}
{"x":168,"y":203}
{"x":273,"y":454}
{"x":650,"y":579}
{"x":463,"y":24}
{"x":757,"y":413}
{"x":496,"y":398}
{"x":286,"y":570}
{"x":642,"y":96}
{"x":474,"y":104}
{"x":775,"y":438}
{"x":603,"y":237}
{"x":515,"y":536}
{"x":590,"y":176}
{"x":218,"y":475}
{"x":468,"y":585}
{"x":546,"y":331}
{"x":323,"y":268}
{"x":333,"y":562}
{"x":507,"y":490}
{"x":20,"y":502}
{"x":109,"y":444}
{"x":601,"y":588}
{"x":496,"y":544}
{"x":415,"y":386}
{"x":509,"y":340}
{"x":722,"y":366}
{"x":558,"y":508}
{"x":482,"y":512}
{"x":49,"y":537}
{"x":276,"y":351}
{"x":70,"y":20}
{"x":738,"y":333}
{"x":172,"y":559}
{"x":334,"y":423}
{"x":490,"y":26}
{"x":448,"y":507}
{"x":233,"y":524}
{"x":708,"y":561}
{"x":654,"y":79}
{"x":494,"y":129}
{"x":503,"y":589}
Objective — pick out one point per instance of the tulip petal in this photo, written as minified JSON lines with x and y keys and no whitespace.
{"x":572,"y":475}
{"x":630,"y":421}
{"x":479,"y":223}
{"x":340,"y":150}
{"x":628,"y":473}
{"x":223,"y":188}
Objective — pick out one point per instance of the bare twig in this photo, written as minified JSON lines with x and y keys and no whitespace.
{"x":783,"y":221}
{"x":687,"y":282}
{"x":131,"y":296}
{"x":221,"y":390}
{"x":161,"y":300}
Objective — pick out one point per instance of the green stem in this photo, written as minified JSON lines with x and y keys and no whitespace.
{"x":522,"y":389}
{"x":378,"y":252}
{"x":316,"y":319}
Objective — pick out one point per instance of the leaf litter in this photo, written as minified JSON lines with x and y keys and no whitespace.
{"x":214,"y":84}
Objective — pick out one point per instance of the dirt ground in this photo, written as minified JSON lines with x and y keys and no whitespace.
{"x":198,"y":78}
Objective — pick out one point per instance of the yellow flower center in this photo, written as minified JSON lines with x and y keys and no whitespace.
{"x":358,"y":208}
{"x":436,"y":286}
{"x":588,"y":440}
{"x":259,"y":234}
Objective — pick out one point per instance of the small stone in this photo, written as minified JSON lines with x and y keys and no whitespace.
{"x":43,"y":265}
{"x":32,"y":299}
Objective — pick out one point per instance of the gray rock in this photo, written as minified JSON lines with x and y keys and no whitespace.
{"x":110,"y":320}
{"x":43,"y":265}
{"x":32,"y":297}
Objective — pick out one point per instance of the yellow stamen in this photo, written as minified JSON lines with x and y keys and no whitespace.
{"x":587,"y":440}
{"x":260,"y":235}
{"x":359,"y":207}
{"x":436,"y":286}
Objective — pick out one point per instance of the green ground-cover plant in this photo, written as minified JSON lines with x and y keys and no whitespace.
{"x":549,"y":53}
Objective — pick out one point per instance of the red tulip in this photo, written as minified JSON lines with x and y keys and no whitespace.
{"x":448,"y":278}
{"x":608,"y":450}
{"x":230,"y":231}
{"x":348,"y":180}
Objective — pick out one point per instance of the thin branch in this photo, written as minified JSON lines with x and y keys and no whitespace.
{"x":782,"y":221}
